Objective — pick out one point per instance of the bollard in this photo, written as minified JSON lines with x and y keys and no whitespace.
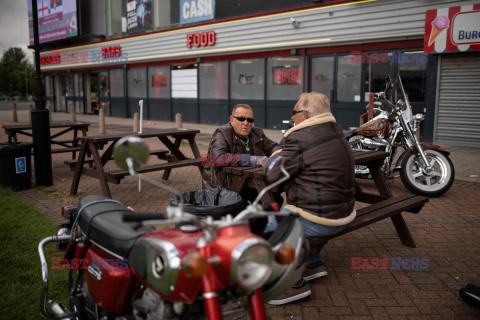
{"x":14,"y":109}
{"x":101,"y":124}
{"x":178,"y":120}
{"x":49,"y":113}
{"x":30,"y":108}
{"x":73,"y":116}
{"x":136,"y":122}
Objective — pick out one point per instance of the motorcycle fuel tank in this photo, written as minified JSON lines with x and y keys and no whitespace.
{"x":375,"y":128}
{"x":156,"y":258}
{"x":109,"y":281}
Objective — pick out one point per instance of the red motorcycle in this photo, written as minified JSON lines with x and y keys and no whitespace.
{"x":122,"y":268}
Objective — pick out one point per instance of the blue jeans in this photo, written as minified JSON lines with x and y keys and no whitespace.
{"x":311,"y":229}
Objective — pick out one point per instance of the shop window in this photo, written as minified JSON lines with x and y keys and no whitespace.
{"x":48,"y":86}
{"x":159,"y":82}
{"x":184,"y":81}
{"x":116,"y":17}
{"x":69,"y":91}
{"x":348,"y":79}
{"x":412,"y":67}
{"x":103,"y":84}
{"x":377,"y":65}
{"x":322,"y":75}
{"x":78,"y":79}
{"x":247,"y":79}
{"x":61,"y":87}
{"x":137,"y":82}
{"x":214,"y":80}
{"x":116,"y":83}
{"x":284,"y":78}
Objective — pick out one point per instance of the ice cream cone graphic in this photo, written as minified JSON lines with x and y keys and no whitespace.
{"x":438,"y":25}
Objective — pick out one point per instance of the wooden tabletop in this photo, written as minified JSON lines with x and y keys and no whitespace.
{"x":147,"y":133}
{"x":54,"y":124}
{"x":363,"y":156}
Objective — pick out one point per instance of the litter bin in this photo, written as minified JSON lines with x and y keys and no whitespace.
{"x":15,"y":165}
{"x":216,"y":203}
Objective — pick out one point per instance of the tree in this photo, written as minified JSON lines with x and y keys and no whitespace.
{"x":14,"y":70}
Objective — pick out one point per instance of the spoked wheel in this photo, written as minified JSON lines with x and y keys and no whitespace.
{"x":430,"y":182}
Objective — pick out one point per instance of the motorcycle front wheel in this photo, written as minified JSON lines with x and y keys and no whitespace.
{"x":419,"y":180}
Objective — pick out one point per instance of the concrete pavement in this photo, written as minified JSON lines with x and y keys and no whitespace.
{"x":446,"y":232}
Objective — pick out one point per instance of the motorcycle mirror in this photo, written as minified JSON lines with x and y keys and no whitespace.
{"x":274,"y":168}
{"x":130,"y":149}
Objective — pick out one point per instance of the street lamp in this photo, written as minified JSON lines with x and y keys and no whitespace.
{"x":42,"y":149}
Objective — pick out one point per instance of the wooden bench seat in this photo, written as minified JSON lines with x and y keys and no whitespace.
{"x":69,"y":149}
{"x":389,"y":208}
{"x":117,"y":175}
{"x":161,"y":154}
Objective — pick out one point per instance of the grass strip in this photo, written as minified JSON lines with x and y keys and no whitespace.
{"x":21,"y":229}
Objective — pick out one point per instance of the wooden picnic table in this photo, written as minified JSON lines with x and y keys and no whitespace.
{"x":383,"y":204}
{"x":68,"y":145}
{"x":93,"y":144}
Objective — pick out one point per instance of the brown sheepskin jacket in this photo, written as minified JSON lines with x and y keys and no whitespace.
{"x":321,"y":164}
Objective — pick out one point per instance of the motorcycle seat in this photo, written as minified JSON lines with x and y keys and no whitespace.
{"x":103,"y":224}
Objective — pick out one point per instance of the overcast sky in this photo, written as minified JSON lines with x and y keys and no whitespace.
{"x":14,"y":26}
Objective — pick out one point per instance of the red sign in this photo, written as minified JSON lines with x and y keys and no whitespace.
{"x":112,"y":51}
{"x":201,"y":39}
{"x":286,"y":75}
{"x":160,"y":80}
{"x":51,"y":59}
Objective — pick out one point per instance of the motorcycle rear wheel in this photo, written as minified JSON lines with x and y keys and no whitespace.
{"x":434,"y":184}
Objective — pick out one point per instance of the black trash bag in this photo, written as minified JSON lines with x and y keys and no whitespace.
{"x":471,"y":295}
{"x":216,"y":203}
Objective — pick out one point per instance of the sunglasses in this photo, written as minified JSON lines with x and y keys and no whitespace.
{"x":294,"y":112}
{"x":241,"y":119}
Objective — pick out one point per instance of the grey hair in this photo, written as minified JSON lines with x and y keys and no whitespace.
{"x":314,"y":102}
{"x":241,"y":105}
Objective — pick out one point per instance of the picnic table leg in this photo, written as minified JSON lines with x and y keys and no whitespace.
{"x":402,"y":230}
{"x":75,"y":143}
{"x":101,"y":173}
{"x":166,"y":173}
{"x":379,"y":179}
{"x":78,"y":168}
{"x":238,"y":184}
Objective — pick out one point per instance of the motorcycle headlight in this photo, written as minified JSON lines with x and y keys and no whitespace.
{"x":251,"y":263}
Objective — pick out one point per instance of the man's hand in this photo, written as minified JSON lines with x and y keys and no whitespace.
{"x":247,"y":160}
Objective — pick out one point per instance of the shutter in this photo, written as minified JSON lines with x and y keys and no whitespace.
{"x":458,"y":113}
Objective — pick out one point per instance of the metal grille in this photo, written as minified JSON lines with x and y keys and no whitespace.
{"x":458,"y":113}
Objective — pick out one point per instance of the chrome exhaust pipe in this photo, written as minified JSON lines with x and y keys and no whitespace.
{"x":58,"y":310}
{"x":45,"y":279}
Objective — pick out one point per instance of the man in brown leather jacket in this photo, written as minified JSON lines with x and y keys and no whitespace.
{"x":321,"y":185}
{"x":237,"y":143}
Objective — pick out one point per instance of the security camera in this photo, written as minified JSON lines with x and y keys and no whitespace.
{"x":294,"y":22}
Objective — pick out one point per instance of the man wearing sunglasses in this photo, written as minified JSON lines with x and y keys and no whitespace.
{"x":321,"y":186}
{"x":237,"y":143}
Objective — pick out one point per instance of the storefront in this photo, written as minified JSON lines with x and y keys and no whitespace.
{"x":453,"y":34}
{"x":343,"y":50}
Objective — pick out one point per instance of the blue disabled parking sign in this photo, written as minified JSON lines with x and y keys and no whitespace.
{"x":20,"y":165}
